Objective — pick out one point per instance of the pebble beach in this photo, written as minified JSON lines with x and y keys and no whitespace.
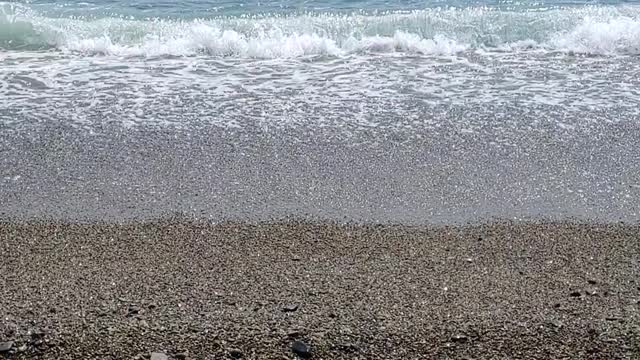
{"x":319,"y":179}
{"x":180,"y":289}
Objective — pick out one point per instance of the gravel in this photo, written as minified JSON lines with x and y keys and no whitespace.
{"x":215,"y":291}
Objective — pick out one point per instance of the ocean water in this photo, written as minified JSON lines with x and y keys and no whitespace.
{"x":369,"y":109}
{"x":350,"y":64}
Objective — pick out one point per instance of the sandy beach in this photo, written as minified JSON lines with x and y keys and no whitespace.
{"x":179,"y":289}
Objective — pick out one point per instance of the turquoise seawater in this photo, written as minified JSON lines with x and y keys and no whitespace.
{"x":353,"y":65}
{"x":297,"y":28}
{"x":201,"y":8}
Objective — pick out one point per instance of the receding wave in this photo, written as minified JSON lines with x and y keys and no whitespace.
{"x":605,"y":30}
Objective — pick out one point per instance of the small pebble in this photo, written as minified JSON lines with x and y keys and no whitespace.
{"x":236,"y":353}
{"x":301,"y":349}
{"x":6,"y":346}
{"x":290,"y":308}
{"x":37,"y":334}
{"x":592,"y":282}
{"x":159,"y":356}
{"x":575,"y":293}
{"x":459,"y":338}
{"x":133,"y":310}
{"x":349,"y":348}
{"x":556,"y":324}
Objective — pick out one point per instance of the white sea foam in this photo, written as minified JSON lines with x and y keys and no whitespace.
{"x":365,"y":70}
{"x":591,"y":30}
{"x":593,"y":36}
{"x":203,"y":39}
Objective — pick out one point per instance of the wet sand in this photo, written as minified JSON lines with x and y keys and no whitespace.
{"x":198,"y":290}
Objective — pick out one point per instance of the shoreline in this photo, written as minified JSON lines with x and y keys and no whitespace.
{"x":108,"y":174}
{"x":209,"y":291}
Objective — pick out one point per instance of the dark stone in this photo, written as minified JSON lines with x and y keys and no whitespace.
{"x":592,"y":282}
{"x":301,"y":349}
{"x":236,"y":353}
{"x":6,"y":346}
{"x":593,"y":350}
{"x":556,"y":305}
{"x":296,"y":258}
{"x":37,"y":334}
{"x":290,"y":308}
{"x":333,"y":315}
{"x":132,"y":311}
{"x":480,"y":238}
{"x":459,"y":338}
{"x":556,"y":324}
{"x":575,"y":293}
{"x":152,"y":306}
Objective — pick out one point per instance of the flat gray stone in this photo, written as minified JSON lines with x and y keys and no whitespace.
{"x":6,"y":346}
{"x":159,"y":356}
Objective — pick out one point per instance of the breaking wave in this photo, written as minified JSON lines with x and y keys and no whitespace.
{"x":605,"y":30}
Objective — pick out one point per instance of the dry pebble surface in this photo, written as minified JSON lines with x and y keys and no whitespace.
{"x":188,"y":290}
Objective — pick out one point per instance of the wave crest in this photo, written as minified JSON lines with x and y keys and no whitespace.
{"x":590,"y":30}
